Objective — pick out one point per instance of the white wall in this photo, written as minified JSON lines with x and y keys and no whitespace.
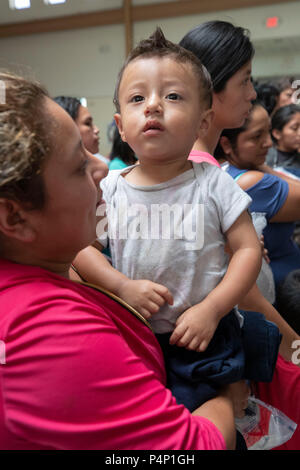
{"x":86,"y":62}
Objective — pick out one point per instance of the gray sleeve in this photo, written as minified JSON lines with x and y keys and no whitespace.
{"x":228,"y":197}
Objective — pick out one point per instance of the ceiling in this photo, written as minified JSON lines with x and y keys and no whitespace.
{"x":40,"y":11}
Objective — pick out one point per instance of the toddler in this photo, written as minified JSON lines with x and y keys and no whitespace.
{"x":169,"y":220}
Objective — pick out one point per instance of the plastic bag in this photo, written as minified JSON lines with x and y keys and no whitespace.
{"x":263,"y":426}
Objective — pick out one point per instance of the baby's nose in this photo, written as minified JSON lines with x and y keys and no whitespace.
{"x":153,"y":104}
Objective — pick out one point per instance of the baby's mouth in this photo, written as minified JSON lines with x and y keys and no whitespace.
{"x":152,"y":125}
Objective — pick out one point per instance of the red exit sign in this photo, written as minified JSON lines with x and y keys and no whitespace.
{"x":272,"y":22}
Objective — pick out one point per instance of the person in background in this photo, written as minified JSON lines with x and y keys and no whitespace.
{"x":267,"y":94}
{"x":286,"y":91}
{"x":88,"y":130}
{"x":226,"y":51}
{"x":245,"y":150}
{"x":214,"y":42}
{"x":285,"y":132}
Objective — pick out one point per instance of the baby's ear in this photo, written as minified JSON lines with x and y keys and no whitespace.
{"x":207,"y":117}
{"x":118,"y":121}
{"x":13,"y":221}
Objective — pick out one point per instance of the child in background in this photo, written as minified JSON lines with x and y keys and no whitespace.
{"x":285,"y":131}
{"x":163,"y":98}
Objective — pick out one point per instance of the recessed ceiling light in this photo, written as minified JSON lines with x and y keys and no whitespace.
{"x":19,"y":4}
{"x":54,"y":2}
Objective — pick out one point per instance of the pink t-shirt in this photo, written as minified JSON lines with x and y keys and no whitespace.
{"x":198,"y":156}
{"x":82,"y":372}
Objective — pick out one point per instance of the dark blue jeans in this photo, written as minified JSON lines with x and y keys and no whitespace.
{"x":233,"y":354}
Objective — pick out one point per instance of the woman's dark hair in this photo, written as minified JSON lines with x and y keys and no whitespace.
{"x":70,"y":104}
{"x":232,"y":134}
{"x":121,"y":149}
{"x":284,"y":83}
{"x":267,"y":93}
{"x":222,"y":48}
{"x":282,"y":116}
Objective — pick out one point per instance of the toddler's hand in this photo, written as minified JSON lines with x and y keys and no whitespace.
{"x":195,"y":328}
{"x":145,"y":296}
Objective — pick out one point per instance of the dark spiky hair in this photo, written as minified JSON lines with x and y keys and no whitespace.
{"x":158,"y":46}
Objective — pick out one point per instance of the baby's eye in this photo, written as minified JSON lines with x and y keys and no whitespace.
{"x":137,"y":98}
{"x":173,"y":96}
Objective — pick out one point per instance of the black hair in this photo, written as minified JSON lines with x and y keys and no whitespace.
{"x":267,"y":93}
{"x":284,"y":83}
{"x":288,"y":300}
{"x":70,"y":104}
{"x":222,"y":48}
{"x":121,"y":149}
{"x":158,"y":46}
{"x":282,"y":116}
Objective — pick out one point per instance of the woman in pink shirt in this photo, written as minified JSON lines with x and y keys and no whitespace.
{"x":79,"y":369}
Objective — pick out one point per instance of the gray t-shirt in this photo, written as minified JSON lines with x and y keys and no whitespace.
{"x":172,"y":233}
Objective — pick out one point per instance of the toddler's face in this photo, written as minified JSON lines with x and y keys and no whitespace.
{"x":161,"y":113}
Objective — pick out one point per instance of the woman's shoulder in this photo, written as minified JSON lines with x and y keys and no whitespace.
{"x":250,"y":178}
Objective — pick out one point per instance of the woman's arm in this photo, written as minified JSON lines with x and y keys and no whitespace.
{"x":284,"y":176}
{"x":290,"y":210}
{"x":221,"y":410}
{"x":255,"y":301}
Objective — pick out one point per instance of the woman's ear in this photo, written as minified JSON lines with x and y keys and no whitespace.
{"x":226,"y":145}
{"x":13,"y":221}
{"x":118,"y":121}
{"x":276,"y":134}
